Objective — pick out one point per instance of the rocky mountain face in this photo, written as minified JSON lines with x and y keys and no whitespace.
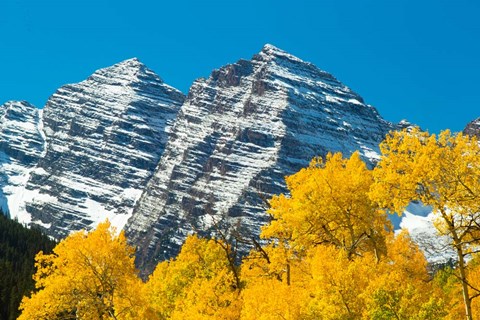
{"x":22,"y":144}
{"x":126,"y":146}
{"x":102,"y":139}
{"x":473,"y":128}
{"x":237,"y":135}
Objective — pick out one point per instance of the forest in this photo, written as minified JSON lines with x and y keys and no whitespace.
{"x":329,"y":252}
{"x":18,"y":247}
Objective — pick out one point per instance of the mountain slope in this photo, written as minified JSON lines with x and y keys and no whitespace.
{"x":473,"y":128}
{"x":237,"y":135}
{"x":22,"y":144}
{"x":104,"y":138}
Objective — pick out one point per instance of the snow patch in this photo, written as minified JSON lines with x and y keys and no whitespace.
{"x":420,"y":226}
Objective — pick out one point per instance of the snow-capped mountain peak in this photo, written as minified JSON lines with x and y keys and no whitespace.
{"x":104,"y":137}
{"x":124,"y":145}
{"x":237,"y":135}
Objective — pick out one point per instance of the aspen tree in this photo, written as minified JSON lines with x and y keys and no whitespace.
{"x":440,"y":171}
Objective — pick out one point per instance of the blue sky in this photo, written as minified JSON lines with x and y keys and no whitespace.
{"x":418,"y":60}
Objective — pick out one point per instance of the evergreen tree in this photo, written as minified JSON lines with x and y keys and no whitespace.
{"x":18,"y":247}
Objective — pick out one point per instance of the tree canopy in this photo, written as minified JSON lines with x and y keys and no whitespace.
{"x":328,"y":203}
{"x":88,"y":276}
{"x":440,"y":171}
{"x":328,"y":253}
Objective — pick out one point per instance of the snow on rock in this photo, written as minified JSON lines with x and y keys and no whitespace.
{"x":418,"y":220}
{"x":22,"y":144}
{"x":104,"y":137}
{"x":237,"y":135}
{"x":473,"y":128}
{"x":405,"y":124}
{"x":125,"y":146}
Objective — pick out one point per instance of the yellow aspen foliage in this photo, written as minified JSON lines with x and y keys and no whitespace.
{"x":401,"y":288}
{"x":337,"y":283}
{"x":271,"y":299}
{"x":275,"y":283}
{"x":473,"y":279}
{"x":329,"y":204}
{"x":88,"y":276}
{"x":326,"y":284}
{"x":329,"y":252}
{"x":406,"y":257}
{"x":446,"y":285}
{"x":274,"y":261}
{"x":198,"y":284}
{"x":441,"y":171}
{"x":332,"y":255}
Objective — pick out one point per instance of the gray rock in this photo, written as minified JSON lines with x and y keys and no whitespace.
{"x":104,"y":138}
{"x":237,"y":135}
{"x":21,"y":146}
{"x":473,"y":128}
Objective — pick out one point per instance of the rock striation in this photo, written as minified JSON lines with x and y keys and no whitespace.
{"x":124,"y":145}
{"x":236,"y":136}
{"x":473,"y":128}
{"x":22,"y":144}
{"x":103,"y":139}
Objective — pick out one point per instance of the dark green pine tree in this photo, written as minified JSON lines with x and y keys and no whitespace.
{"x":18,"y":247}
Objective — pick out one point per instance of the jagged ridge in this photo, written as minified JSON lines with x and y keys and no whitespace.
{"x":235,"y":138}
{"x":104,"y":138}
{"x":22,"y":145}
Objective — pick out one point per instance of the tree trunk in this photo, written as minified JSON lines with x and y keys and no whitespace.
{"x":463,"y":275}
{"x":457,"y":244}
{"x":463,"y":278}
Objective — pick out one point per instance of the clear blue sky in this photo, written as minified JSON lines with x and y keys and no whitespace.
{"x":414,"y":59}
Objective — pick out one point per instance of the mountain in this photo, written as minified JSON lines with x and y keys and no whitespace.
{"x":473,"y":128}
{"x":236,"y":136}
{"x":22,"y":144}
{"x":124,"y":145}
{"x":103,"y":138}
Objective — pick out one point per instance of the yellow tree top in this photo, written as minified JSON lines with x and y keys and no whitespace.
{"x":328,"y":204}
{"x":88,"y":276}
{"x":441,"y":171}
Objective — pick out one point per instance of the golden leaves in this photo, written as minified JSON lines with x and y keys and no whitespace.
{"x":329,"y":252}
{"x":198,"y":284}
{"x":329,"y":204}
{"x":88,"y":276}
